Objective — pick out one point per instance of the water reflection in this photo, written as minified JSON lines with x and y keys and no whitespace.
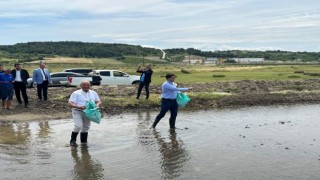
{"x":44,"y":130}
{"x":174,"y":155}
{"x":143,"y":122}
{"x":86,"y":167}
{"x":14,"y":141}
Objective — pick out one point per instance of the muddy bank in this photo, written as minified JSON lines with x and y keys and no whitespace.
{"x":120,"y":99}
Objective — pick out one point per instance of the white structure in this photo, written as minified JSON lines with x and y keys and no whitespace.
{"x":193,"y":59}
{"x":210,"y":61}
{"x":248,"y":60}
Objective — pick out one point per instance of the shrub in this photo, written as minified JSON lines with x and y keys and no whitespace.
{"x":185,"y":71}
{"x":312,"y":74}
{"x":294,"y":76}
{"x":298,"y":72}
{"x":218,"y":75}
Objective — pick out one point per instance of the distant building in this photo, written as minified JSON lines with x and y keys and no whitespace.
{"x":248,"y":60}
{"x":211,"y":61}
{"x":192,"y":59}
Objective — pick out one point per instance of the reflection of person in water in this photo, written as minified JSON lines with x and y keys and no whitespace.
{"x":44,"y":129}
{"x":174,"y":155}
{"x":86,"y":167}
{"x":142,"y":130}
{"x":14,"y":133}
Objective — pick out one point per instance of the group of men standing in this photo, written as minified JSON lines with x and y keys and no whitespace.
{"x":16,"y":81}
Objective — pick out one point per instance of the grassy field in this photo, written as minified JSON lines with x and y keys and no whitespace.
{"x":187,"y":73}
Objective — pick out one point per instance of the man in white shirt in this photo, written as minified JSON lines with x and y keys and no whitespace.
{"x":20,"y":83}
{"x":77,"y":101}
{"x":41,"y":77}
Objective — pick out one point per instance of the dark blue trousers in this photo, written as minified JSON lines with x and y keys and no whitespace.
{"x":42,"y":89}
{"x":146,"y":86}
{"x":166,"y":105}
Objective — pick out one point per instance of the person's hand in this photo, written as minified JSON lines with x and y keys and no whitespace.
{"x":81,"y":107}
{"x":190,"y":89}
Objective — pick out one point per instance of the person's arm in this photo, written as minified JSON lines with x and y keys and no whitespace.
{"x":27,"y":74}
{"x":173,"y":88}
{"x":34,"y":76}
{"x":139,"y":70}
{"x":97,"y":100}
{"x":98,"y":104}
{"x":49,"y":77}
{"x":73,"y":105}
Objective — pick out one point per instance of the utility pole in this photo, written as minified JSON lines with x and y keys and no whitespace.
{"x":143,"y":58}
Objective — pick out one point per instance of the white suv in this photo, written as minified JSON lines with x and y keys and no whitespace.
{"x":116,"y":77}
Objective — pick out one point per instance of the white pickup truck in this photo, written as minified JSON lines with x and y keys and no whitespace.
{"x":109,"y":77}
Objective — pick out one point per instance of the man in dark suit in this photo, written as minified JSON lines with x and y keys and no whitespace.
{"x":1,"y":71}
{"x":145,"y":79}
{"x":20,"y":77}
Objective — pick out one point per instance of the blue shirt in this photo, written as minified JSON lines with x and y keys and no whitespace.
{"x":142,"y":77}
{"x":169,"y":90}
{"x":6,"y":80}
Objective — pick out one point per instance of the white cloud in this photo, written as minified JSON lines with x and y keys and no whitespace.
{"x":202,"y":24}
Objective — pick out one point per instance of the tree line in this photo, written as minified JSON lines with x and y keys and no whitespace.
{"x":75,"y":49}
{"x":39,"y":50}
{"x":276,"y":55}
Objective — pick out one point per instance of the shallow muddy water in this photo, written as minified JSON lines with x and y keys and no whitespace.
{"x":279,"y":142}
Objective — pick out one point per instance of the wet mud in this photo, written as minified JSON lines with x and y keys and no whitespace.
{"x":237,"y":94}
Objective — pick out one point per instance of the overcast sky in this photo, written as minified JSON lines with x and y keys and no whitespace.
{"x":203,"y":24}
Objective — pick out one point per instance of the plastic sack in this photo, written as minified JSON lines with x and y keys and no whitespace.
{"x":182,"y":99}
{"x":92,"y":112}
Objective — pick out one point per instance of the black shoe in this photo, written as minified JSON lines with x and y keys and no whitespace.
{"x":73,"y":144}
{"x":84,"y":137}
{"x":74,"y":139}
{"x":26,"y":105}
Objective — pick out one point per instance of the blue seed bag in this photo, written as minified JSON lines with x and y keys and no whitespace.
{"x":182,"y":99}
{"x":92,"y":112}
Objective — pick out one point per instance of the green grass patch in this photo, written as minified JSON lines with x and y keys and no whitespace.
{"x":207,"y":95}
{"x":200,"y":74}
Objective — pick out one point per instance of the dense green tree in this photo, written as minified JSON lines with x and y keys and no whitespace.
{"x":39,"y":50}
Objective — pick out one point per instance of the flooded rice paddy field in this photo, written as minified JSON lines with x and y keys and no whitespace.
{"x":279,"y":142}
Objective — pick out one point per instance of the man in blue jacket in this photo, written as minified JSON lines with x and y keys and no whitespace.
{"x":145,"y":80}
{"x":41,"y":77}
